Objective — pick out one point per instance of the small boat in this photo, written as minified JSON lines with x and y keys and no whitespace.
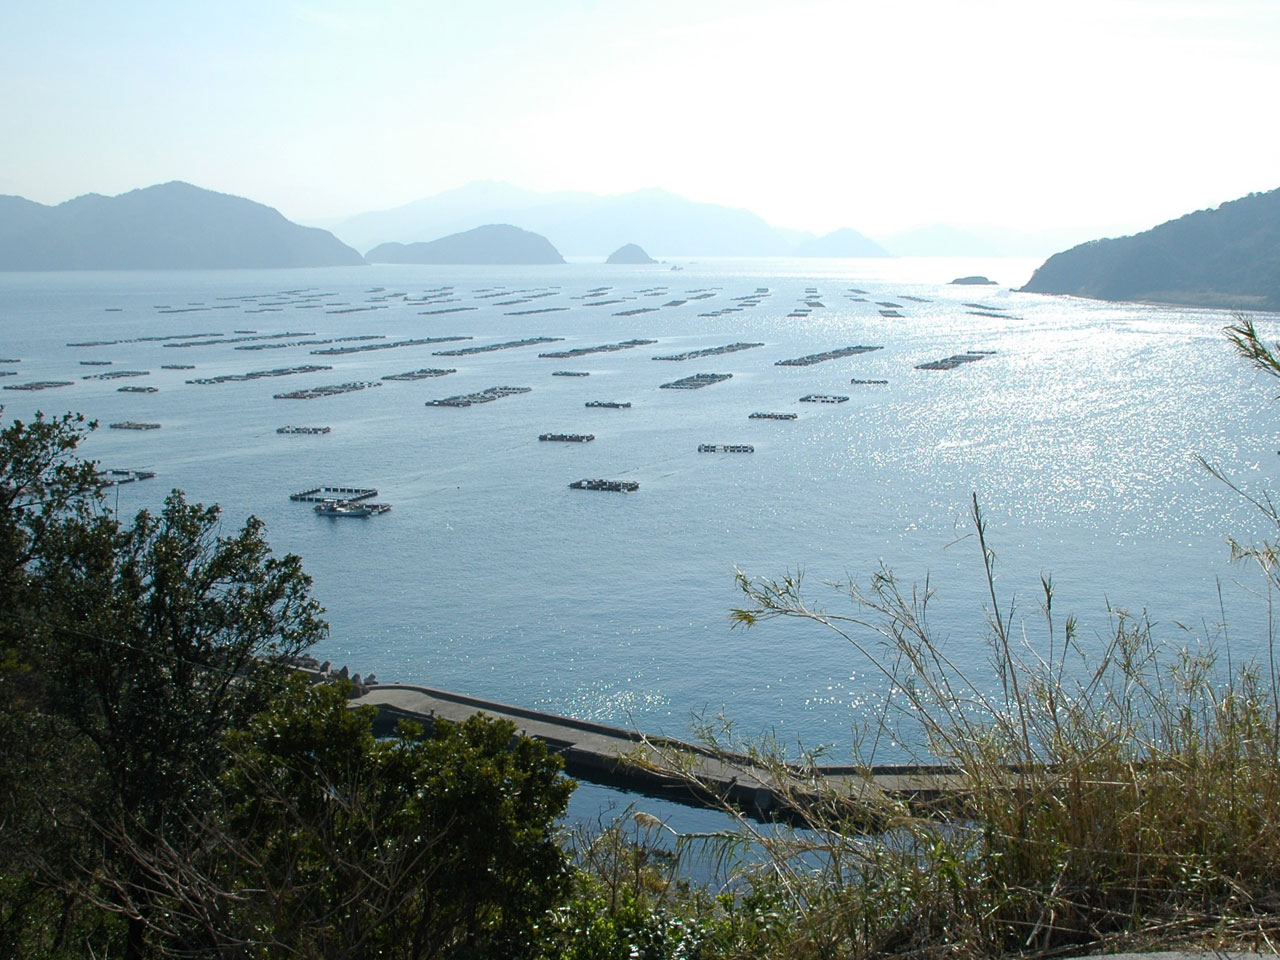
{"x":349,"y":508}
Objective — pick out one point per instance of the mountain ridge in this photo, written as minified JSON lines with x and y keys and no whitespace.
{"x":490,"y":244}
{"x":582,"y":224}
{"x":172,"y":225}
{"x":1225,"y":256}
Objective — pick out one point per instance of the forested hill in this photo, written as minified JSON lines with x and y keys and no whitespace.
{"x":494,"y":243}
{"x":1226,"y":257}
{"x":169,"y":226}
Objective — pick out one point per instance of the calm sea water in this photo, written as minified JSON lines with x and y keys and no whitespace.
{"x":1080,"y":435}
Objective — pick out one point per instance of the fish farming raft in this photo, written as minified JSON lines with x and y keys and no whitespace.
{"x":613,"y":486}
{"x":696,"y":382}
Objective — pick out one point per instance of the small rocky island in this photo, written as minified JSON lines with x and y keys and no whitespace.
{"x":495,"y":244}
{"x":630,"y":253}
{"x":974,"y":281}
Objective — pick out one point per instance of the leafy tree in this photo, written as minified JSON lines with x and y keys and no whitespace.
{"x":133,"y":649}
{"x":415,"y":847}
{"x":170,"y":788}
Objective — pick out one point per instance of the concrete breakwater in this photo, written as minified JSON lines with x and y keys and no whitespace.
{"x":617,"y":756}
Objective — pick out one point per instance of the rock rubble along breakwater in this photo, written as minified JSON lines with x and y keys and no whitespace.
{"x":759,"y":415}
{"x":393,"y":345}
{"x":609,"y":404}
{"x":726,"y":448}
{"x":822,"y":357}
{"x":612,"y":486}
{"x":302,"y":430}
{"x":955,"y":360}
{"x":603,"y":348}
{"x":133,"y":425}
{"x":331,"y":390}
{"x":488,"y":347}
{"x":484,"y":396}
{"x":709,"y":351}
{"x":822,"y":398}
{"x":423,"y":374}
{"x":696,"y":382}
{"x":260,"y":374}
{"x":568,"y":437}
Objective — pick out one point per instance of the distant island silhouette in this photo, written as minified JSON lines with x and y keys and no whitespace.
{"x":169,"y":226}
{"x":974,"y":281}
{"x":630,"y":253}
{"x":844,"y":242}
{"x":589,"y":225}
{"x":492,"y":244}
{"x":1224,"y":257}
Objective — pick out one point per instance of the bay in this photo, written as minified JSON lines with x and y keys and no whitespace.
{"x":1081,"y":434}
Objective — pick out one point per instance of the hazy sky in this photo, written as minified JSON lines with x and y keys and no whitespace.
{"x":875,"y":114}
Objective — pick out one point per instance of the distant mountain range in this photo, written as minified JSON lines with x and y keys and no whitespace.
{"x":1225,"y":257}
{"x":169,"y":226}
{"x":585,"y":224}
{"x":493,"y":243}
{"x":950,"y":240}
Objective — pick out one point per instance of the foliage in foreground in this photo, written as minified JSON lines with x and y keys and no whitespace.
{"x":169,"y":788}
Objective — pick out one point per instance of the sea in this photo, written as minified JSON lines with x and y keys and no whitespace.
{"x":1083,"y":429}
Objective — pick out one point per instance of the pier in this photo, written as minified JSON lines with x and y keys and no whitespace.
{"x":617,"y":756}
